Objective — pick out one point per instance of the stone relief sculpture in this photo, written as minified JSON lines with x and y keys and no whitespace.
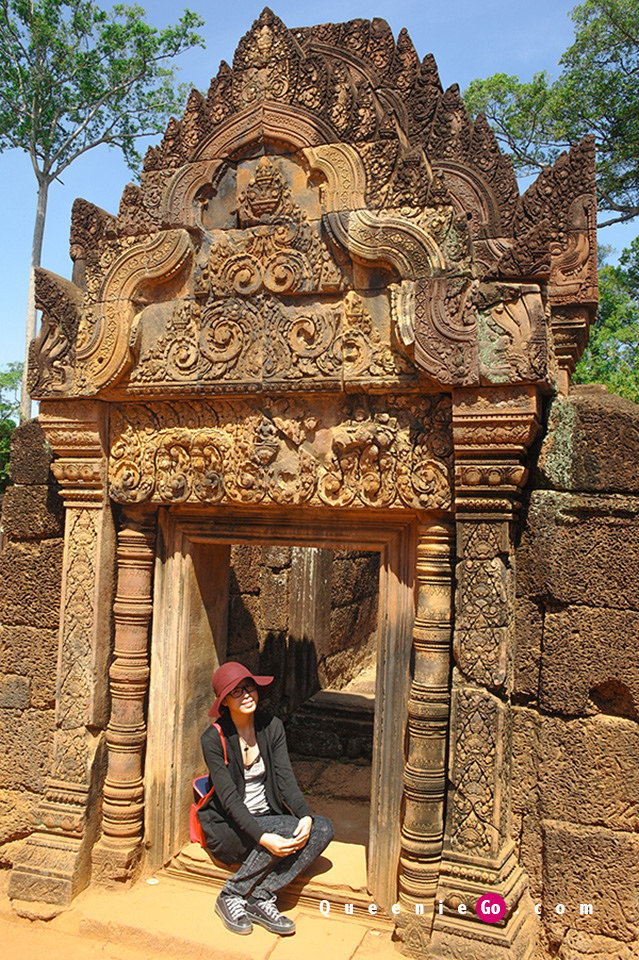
{"x":326,"y":294}
{"x":384,"y":180}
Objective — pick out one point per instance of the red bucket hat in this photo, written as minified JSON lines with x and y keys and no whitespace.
{"x":227,"y":677}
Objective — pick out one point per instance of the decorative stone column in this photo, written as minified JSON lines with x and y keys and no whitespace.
{"x":55,"y":863}
{"x":117,"y":854}
{"x":492,"y":429}
{"x":422,"y":830}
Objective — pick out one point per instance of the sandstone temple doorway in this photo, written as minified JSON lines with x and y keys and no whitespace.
{"x":190,"y":637}
{"x":325,"y":318}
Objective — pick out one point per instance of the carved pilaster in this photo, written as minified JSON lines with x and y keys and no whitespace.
{"x":570,"y":326}
{"x":54,"y":864}
{"x":117,"y":854}
{"x":492,"y":429}
{"x":422,"y":831}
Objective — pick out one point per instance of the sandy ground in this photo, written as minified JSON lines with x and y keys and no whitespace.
{"x":175,"y":919}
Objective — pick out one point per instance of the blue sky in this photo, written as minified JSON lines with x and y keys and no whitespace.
{"x":468,"y":39}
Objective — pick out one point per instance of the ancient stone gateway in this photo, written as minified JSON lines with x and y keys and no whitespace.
{"x":325,"y":317}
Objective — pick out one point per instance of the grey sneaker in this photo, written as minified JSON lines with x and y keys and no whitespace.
{"x":232,"y":910}
{"x":267,"y":915}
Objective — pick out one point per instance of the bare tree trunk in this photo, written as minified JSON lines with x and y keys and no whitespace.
{"x":36,"y":253}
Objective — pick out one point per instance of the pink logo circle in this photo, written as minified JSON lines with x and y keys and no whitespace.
{"x":490,"y":907}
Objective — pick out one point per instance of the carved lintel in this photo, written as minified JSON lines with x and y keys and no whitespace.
{"x":345,"y":454}
{"x":428,"y":714}
{"x":117,"y":854}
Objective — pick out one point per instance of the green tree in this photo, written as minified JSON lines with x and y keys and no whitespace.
{"x":597,"y":91}
{"x":72,"y":77}
{"x":10,"y":379}
{"x":612,"y":355}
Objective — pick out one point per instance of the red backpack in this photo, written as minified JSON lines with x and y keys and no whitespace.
{"x":199,"y":788}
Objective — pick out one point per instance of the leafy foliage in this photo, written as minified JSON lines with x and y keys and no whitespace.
{"x":10,"y":380}
{"x":73,"y":76}
{"x":597,"y":91}
{"x":612,"y":356}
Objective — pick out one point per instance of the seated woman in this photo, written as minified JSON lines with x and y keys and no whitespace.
{"x":257,"y":813}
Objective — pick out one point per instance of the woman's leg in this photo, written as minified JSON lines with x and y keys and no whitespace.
{"x":259,"y":862}
{"x":285,"y":869}
{"x":262,"y":874}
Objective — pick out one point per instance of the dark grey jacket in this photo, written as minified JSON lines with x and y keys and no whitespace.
{"x":229,"y":827}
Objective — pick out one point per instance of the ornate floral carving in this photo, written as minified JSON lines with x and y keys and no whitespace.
{"x":277,"y":249}
{"x":103,"y":352}
{"x":482,"y":614}
{"x":512,"y":333}
{"x":257,"y":342}
{"x":446,"y":330}
{"x":359,"y":453}
{"x":74,"y":689}
{"x":476,"y":770}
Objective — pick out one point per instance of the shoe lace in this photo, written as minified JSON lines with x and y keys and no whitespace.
{"x":268,"y":907}
{"x":235,"y":906}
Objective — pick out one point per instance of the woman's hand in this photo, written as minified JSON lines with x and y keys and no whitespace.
{"x":302,"y":831}
{"x":280,"y":846}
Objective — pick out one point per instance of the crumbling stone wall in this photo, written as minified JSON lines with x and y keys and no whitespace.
{"x":353,"y":618}
{"x":30,"y":583}
{"x":576,"y":733}
{"x":330,"y":643}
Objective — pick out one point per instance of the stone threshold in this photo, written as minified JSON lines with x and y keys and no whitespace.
{"x":338,"y":876}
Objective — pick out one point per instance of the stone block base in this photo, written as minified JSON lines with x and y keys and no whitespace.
{"x":50,"y":869}
{"x":116,"y":862}
{"x":465,"y":935}
{"x":460,"y":939}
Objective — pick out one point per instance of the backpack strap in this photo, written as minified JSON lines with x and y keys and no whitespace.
{"x":219,"y":730}
{"x":203,"y":800}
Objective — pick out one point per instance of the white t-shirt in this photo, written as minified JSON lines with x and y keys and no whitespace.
{"x":255,"y":787}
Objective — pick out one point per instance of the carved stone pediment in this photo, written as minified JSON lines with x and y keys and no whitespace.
{"x":326,"y":162}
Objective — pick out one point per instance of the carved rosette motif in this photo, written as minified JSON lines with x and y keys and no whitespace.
{"x":364,"y":453}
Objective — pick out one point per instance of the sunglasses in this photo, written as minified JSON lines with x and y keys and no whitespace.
{"x":239,"y":691}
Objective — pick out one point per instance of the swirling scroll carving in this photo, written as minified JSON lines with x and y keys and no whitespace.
{"x":356,"y":453}
{"x":104,"y":352}
{"x":393,"y":239}
{"x":446,"y":330}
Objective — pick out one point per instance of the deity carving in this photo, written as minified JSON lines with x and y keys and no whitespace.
{"x":362,"y":453}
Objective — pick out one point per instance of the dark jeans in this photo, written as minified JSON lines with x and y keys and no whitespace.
{"x":262,"y":873}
